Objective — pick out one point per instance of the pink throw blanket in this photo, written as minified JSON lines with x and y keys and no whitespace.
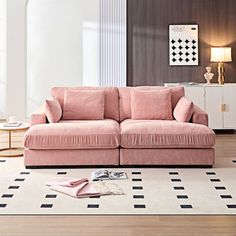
{"x":79,"y":188}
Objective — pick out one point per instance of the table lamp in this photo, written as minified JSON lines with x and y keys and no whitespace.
{"x":221,"y":55}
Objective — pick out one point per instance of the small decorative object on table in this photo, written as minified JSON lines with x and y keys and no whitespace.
{"x":12,"y":126}
{"x":208,"y":75}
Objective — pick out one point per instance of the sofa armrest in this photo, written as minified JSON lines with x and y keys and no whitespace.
{"x":199,"y":116}
{"x":38,"y":117}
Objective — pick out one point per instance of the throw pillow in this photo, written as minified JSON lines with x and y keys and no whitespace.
{"x":151,"y":105}
{"x":53,"y":110}
{"x":183,"y":110}
{"x":84,"y":105}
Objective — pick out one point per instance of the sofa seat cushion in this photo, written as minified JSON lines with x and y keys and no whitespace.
{"x":165,"y":134}
{"x":74,"y":134}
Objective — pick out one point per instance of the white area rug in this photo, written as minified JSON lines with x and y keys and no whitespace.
{"x":147,"y":191}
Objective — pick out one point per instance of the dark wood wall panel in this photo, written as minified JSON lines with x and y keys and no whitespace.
{"x":148,"y":51}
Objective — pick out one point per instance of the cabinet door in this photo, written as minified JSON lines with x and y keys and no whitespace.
{"x":229,"y":102}
{"x":196,"y":94}
{"x":214,"y":106}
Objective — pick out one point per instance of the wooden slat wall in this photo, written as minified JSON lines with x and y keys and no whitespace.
{"x":148,"y":20}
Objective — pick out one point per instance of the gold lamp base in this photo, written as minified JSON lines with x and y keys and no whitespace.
{"x":221,"y":72}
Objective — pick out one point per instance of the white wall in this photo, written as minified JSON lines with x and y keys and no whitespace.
{"x":16,"y":50}
{"x":62,"y":46}
{"x":13,"y":92}
{"x":3,"y":47}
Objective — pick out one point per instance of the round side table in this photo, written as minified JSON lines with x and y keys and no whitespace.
{"x":12,"y":151}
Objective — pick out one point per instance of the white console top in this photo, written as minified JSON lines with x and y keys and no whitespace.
{"x":185,"y":84}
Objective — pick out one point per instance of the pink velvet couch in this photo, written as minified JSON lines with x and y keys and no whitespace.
{"x":119,"y":140}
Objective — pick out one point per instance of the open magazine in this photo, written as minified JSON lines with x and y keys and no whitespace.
{"x":103,"y":174}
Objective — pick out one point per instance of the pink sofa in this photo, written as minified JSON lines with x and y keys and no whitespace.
{"x":117,"y":139}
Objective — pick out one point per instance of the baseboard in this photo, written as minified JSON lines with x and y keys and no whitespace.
{"x":225,"y":131}
{"x":119,"y":166}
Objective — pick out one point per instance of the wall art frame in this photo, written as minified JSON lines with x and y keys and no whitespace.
{"x":183,"y":45}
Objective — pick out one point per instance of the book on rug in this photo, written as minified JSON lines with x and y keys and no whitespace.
{"x":104,"y":174}
{"x":12,"y":124}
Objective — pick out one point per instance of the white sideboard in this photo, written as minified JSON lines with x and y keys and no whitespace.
{"x":219,"y":101}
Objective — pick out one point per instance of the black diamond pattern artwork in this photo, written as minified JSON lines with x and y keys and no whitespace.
{"x":183,"y":45}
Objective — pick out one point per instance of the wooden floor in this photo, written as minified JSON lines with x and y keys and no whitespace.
{"x":124,"y":225}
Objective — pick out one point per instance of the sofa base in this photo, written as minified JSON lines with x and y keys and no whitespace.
{"x":101,"y":157}
{"x":126,"y":158}
{"x":167,"y":157}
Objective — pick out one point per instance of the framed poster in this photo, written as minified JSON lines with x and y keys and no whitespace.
{"x":183,"y":45}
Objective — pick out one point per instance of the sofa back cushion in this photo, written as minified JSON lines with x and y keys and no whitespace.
{"x":83,"y":105}
{"x":111,"y":106}
{"x":125,"y":98}
{"x":151,"y":104}
{"x":53,"y":110}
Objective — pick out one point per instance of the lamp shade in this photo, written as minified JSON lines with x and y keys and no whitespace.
{"x":221,"y":54}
